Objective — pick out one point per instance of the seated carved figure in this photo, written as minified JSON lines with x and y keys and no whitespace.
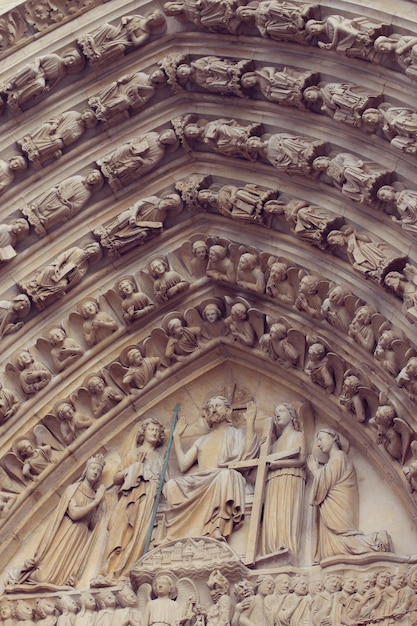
{"x":72,"y":422}
{"x":183,"y":340}
{"x":239,"y":325}
{"x":397,"y":124}
{"x":10,"y":235}
{"x":34,"y":459}
{"x":103,"y":397}
{"x":278,"y":285}
{"x":199,"y":492}
{"x":140,"y":370}
{"x":220,"y":266}
{"x":403,"y":47}
{"x":405,"y":203}
{"x":249,"y":274}
{"x":9,"y":404}
{"x":62,"y":202}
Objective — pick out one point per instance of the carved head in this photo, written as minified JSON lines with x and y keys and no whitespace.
{"x":153,"y":426}
{"x":284,"y":414}
{"x":218,"y":585}
{"x":326,"y":438}
{"x":243,"y":589}
{"x":164,"y":584}
{"x":217,"y":409}
{"x":211,"y":313}
{"x":17,"y":163}
{"x":200,"y":249}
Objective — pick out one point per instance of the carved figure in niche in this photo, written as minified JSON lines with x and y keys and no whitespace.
{"x":249,"y":274}
{"x":98,"y":325}
{"x":214,"y":493}
{"x":281,"y":21}
{"x":288,"y":153}
{"x":167,"y":283}
{"x":358,"y":180}
{"x":135,"y":304}
{"x":10,"y":235}
{"x":343,"y":102}
{"x":32,"y":460}
{"x":284,"y":86}
{"x":214,"y":15}
{"x":39,"y":77}
{"x":183,"y":340}
{"x":47,"y":142}
{"x":62,"y":202}
{"x":308,"y":298}
{"x":45,"y":612}
{"x":322,"y":366}
{"x":9,"y":404}
{"x":139,"y":223}
{"x":407,"y":377}
{"x":244,"y":592}
{"x":361,"y":329}
{"x":215,"y":74}
{"x":393,"y":433}
{"x":72,"y":422}
{"x":213,"y":325}
{"x":279,"y":285}
{"x":335,"y":494}
{"x":34,"y":375}
{"x":137,"y":480}
{"x":338,"y":307}
{"x":220,"y":266}
{"x":53,"y":281}
{"x":11,"y":313}
{"x":127,"y":612}
{"x":350,"y":37}
{"x":220,"y":611}
{"x":310,"y":223}
{"x":163,"y":609}
{"x":107,"y":602}
{"x":8,"y":170}
{"x":284,"y":498}
{"x":87,"y":614}
{"x":242,"y":324}
{"x":405,"y":203}
{"x":398,"y":125}
{"x":372,"y":258}
{"x":404,"y":285}
{"x":296,"y":606}
{"x":358,"y":398}
{"x":225,"y":136}
{"x":410,"y":471}
{"x":63,"y":550}
{"x":64,"y":350}
{"x":139,"y":372}
{"x":240,"y":203}
{"x":109,"y":43}
{"x":390,"y":351}
{"x":284,"y":345}
{"x":403,"y":47}
{"x":198,"y":264}
{"x":133,"y":159}
{"x":103,"y":397}
{"x":125,"y":95}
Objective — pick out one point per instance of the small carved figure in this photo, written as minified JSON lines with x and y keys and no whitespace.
{"x":9,"y":404}
{"x":47,"y":142}
{"x":386,"y":352}
{"x":136,"y":157}
{"x":308,"y":298}
{"x":8,"y":170}
{"x":318,"y":367}
{"x":244,"y":592}
{"x":240,"y":203}
{"x":284,"y":498}
{"x":64,"y":350}
{"x":139,"y":223}
{"x":88,"y":612}
{"x":403,"y":47}
{"x":214,"y":74}
{"x":323,"y":605}
{"x":10,"y":235}
{"x":106,"y":602}
{"x":361,"y":327}
{"x":167,"y":283}
{"x":225,"y":136}
{"x":62,"y":202}
{"x":124,"y":96}
{"x":139,"y":372}
{"x":372,"y":258}
{"x":404,"y":285}
{"x":103,"y":397}
{"x":127,"y":612}
{"x":335,"y":493}
{"x":33,"y":459}
{"x":34,"y":375}
{"x":398,"y":125}
{"x":283,"y":86}
{"x":296,"y":605}
{"x":249,"y":274}
{"x":163,"y":609}
{"x":198,"y":263}
{"x":393,"y":433}
{"x":72,"y":422}
{"x":350,"y":37}
{"x":135,"y":304}
{"x":358,"y":180}
{"x":68,"y":609}
{"x":23,"y":612}
{"x":109,"y":43}
{"x":216,"y":16}
{"x":213,"y":325}
{"x":278,"y":285}
{"x":240,"y":326}
{"x":201,"y":492}
{"x":335,"y":307}
{"x":182,"y":340}
{"x":98,"y":325}
{"x":40,"y":77}
{"x":219,"y":589}
{"x":45,"y":611}
{"x":52,"y":281}
{"x":407,"y":378}
{"x":11,"y":314}
{"x":310,"y":223}
{"x":220,"y":266}
{"x":137,"y":480}
{"x":288,"y":153}
{"x":281,"y":345}
{"x":355,"y":397}
{"x":405,"y":203}
{"x":343,"y":102}
{"x":7,"y":613}
{"x":281,"y":21}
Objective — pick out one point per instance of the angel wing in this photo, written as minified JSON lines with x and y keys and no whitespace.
{"x":43,"y":437}
{"x":407,"y":436}
{"x":155,"y":345}
{"x":8,"y":484}
{"x":188,"y":599}
{"x":192,"y":317}
{"x":298,"y":339}
{"x":117,"y":372}
{"x":144,"y":596}
{"x":336,"y":366}
{"x":257,"y":321}
{"x":13,"y":466}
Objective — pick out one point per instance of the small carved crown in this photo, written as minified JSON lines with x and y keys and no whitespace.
{"x":97,"y":458}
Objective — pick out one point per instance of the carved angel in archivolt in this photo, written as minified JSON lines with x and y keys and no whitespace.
{"x":133,"y":303}
{"x":178,"y":337}
{"x":324,"y":367}
{"x":407,"y":378}
{"x":97,"y":324}
{"x":404,"y":285}
{"x":410,"y":470}
{"x":167,"y":282}
{"x":140,"y":222}
{"x":392,"y":432}
{"x":284,"y":344}
{"x":311,"y":290}
{"x":339,"y":306}
{"x":223,"y":259}
{"x":63,"y":351}
{"x":357,"y":396}
{"x":195,"y":255}
{"x":250,"y":273}
{"x":67,"y":421}
{"x":393,"y":351}
{"x":109,"y":43}
{"x":32,"y":375}
{"x":135,"y":369}
{"x":9,"y":404}
{"x":213,"y":324}
{"x":365,"y":326}
{"x":100,"y":393}
{"x":282,"y":280}
{"x":245,"y":324}
{"x":32,"y":454}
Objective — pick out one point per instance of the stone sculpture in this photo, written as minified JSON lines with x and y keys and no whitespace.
{"x":249,"y":274}
{"x":240,"y":325}
{"x":407,"y":378}
{"x":281,"y":21}
{"x":62,"y":202}
{"x":241,"y":203}
{"x":139,"y":372}
{"x":33,"y":375}
{"x":284,"y":86}
{"x":11,"y":314}
{"x":220,"y":266}
{"x":219,"y":589}
{"x":308,"y":298}
{"x":28,"y":458}
{"x":214,"y":15}
{"x":404,"y":285}
{"x":335,"y":493}
{"x":278,"y":285}
{"x":288,"y":153}
{"x":335,"y":308}
{"x":72,"y":422}
{"x":404,"y":49}
{"x":361,"y":328}
{"x":64,"y":350}
{"x":286,"y":346}
{"x":103,"y":397}
{"x":213,"y":74}
{"x":405,"y":203}
{"x":397,"y":124}
{"x":200,"y":490}
{"x":225,"y":136}
{"x":343,"y":102}
{"x":163,"y":609}
{"x":9,"y":169}
{"x":9,"y":404}
{"x":97,"y":325}
{"x":183,"y":339}
{"x":10,"y":235}
{"x":135,"y":304}
{"x":167,"y":283}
